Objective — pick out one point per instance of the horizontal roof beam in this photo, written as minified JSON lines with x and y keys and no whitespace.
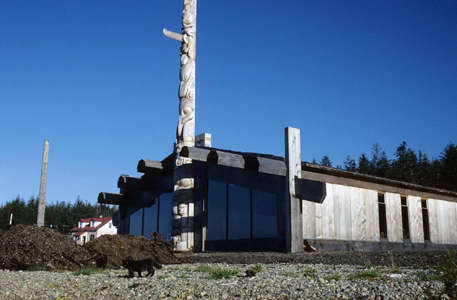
{"x":242,"y":161}
{"x":151,"y":167}
{"x":110,"y":198}
{"x":310,"y":190}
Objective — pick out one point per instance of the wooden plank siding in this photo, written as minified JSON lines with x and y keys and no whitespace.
{"x":370,"y":198}
{"x":359,"y":218}
{"x":393,"y":215}
{"x":346,"y":214}
{"x":351,"y":214}
{"x":452,"y":222}
{"x":309,"y":219}
{"x":432,"y":206}
{"x":328,"y":217}
{"x":342,"y":212}
{"x":416,"y":229}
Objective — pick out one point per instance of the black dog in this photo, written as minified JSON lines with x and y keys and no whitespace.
{"x":140,"y":266}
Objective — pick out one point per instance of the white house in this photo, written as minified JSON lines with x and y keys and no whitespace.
{"x":92,"y":228}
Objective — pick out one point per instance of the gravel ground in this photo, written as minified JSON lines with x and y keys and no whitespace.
{"x":194,"y":281}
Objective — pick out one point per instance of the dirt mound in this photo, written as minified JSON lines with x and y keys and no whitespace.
{"x":118,"y":247}
{"x":23,"y":247}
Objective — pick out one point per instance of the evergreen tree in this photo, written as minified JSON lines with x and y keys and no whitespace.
{"x":59,"y":215}
{"x":403,"y":168}
{"x":379,"y":164}
{"x":449,"y":167}
{"x":350,"y":165}
{"x":325,"y":161}
{"x":364,"y":165}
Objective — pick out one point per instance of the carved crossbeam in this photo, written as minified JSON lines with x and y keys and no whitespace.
{"x":109,"y":198}
{"x":226,"y":159}
{"x":194,"y":153}
{"x":129,"y":183}
{"x":272,"y":166}
{"x":310,"y":190}
{"x":234,"y":160}
{"x":150,"y":167}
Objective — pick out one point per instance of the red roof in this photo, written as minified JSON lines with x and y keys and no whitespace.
{"x":88,"y":228}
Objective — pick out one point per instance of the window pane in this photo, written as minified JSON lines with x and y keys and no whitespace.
{"x":165,"y":216}
{"x":135,"y":222}
{"x":150,"y":220}
{"x":216,"y":210}
{"x":263,"y":214}
{"x":238,"y":212}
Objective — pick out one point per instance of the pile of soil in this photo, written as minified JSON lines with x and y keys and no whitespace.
{"x":118,"y":247}
{"x":24,"y":247}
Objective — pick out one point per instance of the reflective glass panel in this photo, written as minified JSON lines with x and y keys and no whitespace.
{"x":238,"y":212}
{"x":150,"y":220}
{"x":165,"y":216}
{"x":135,"y":222}
{"x":263,"y":214}
{"x":216,"y":210}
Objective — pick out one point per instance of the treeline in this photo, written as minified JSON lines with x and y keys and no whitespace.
{"x":60,"y":215}
{"x":407,"y":165}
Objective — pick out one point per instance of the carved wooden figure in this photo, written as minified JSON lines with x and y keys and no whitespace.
{"x":185,"y":131}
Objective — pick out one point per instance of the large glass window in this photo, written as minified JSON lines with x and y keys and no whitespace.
{"x":217,"y":210}
{"x":165,"y":217}
{"x":238,"y":212}
{"x":136,"y":222}
{"x":263,"y":215}
{"x":150,"y":220}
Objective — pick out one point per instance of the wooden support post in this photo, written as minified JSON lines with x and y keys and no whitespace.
{"x":44,"y":173}
{"x":294,"y":229}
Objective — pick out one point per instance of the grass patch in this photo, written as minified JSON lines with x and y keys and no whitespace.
{"x":204,"y":269}
{"x":36,"y":268}
{"x":220,"y":273}
{"x":162,"y":276}
{"x":423,"y":276}
{"x":448,"y":276}
{"x":335,"y":277}
{"x":309,"y":272}
{"x":183,"y":276}
{"x":257,"y":268}
{"x":88,"y":271}
{"x":366,"y":274}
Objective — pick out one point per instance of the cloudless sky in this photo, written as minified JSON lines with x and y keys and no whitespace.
{"x":100,"y":81}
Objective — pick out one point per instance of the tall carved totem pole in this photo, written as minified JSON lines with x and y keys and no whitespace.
{"x":183,"y":198}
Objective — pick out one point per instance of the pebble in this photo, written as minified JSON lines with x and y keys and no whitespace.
{"x":187,"y":281}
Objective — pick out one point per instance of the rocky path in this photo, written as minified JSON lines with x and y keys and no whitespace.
{"x":223,"y":281}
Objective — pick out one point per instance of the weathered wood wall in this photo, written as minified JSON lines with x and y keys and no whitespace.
{"x":443,"y":221}
{"x":393,"y":216}
{"x":416,"y":229}
{"x":347,"y":213}
{"x":350,"y":213}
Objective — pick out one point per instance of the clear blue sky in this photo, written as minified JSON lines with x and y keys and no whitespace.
{"x":98,"y":79}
